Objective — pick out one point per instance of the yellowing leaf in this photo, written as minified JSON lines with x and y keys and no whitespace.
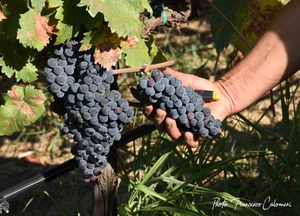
{"x":35,"y":31}
{"x":2,"y":16}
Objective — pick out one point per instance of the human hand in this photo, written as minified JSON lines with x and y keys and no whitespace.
{"x":219,"y":108}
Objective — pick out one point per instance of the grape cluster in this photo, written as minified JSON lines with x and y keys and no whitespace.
{"x":181,"y":103}
{"x":95,"y":114}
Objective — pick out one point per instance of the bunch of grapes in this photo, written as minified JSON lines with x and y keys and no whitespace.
{"x":181,"y":103}
{"x":95,"y":114}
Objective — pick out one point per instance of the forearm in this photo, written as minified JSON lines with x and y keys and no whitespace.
{"x":275,"y":57}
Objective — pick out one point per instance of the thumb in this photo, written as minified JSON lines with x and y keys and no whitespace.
{"x":197,"y":83}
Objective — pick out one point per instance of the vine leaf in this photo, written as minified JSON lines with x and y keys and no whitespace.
{"x":64,"y":30}
{"x":2,"y":16}
{"x":222,"y":32}
{"x":71,"y":18}
{"x":106,"y":43}
{"x":27,"y":74}
{"x":156,"y":54}
{"x":138,"y":55}
{"x":259,"y":16}
{"x":38,"y":5}
{"x":54,"y":3}
{"x":147,"y":6}
{"x":8,"y":71}
{"x":107,"y":58}
{"x":23,"y":106}
{"x":122,"y":15}
{"x":34,"y":30}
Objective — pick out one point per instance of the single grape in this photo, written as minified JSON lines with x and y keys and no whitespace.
{"x":52,"y":62}
{"x":61,"y":79}
{"x":55,"y":88}
{"x":58,"y":70}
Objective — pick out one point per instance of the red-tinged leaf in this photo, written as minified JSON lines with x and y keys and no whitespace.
{"x":43,"y":30}
{"x":2,"y":16}
{"x":35,"y":31}
{"x":107,"y":58}
{"x":23,"y":106}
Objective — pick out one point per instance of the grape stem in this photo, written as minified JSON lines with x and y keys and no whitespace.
{"x":144,"y":68}
{"x":174,"y":17}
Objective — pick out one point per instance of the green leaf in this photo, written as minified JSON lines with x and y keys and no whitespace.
{"x":222,"y":32}
{"x":27,"y":74}
{"x":23,"y":106}
{"x":34,"y":30}
{"x":54,"y":3}
{"x":122,"y":15}
{"x":38,"y":5}
{"x":259,"y":15}
{"x":160,"y":57}
{"x":155,"y":53}
{"x":14,"y":54}
{"x":8,"y":71}
{"x":137,"y":56}
{"x":65,"y":30}
{"x":147,"y":6}
{"x":71,"y":19}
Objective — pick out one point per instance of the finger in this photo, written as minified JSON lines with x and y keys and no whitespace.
{"x":190,"y":140}
{"x":171,"y":128}
{"x":148,"y":111}
{"x":191,"y":80}
{"x":159,"y":119}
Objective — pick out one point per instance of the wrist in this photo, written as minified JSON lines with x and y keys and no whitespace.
{"x":227,"y":102}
